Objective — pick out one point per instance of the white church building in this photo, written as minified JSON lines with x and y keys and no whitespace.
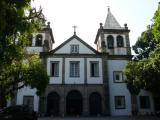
{"x":85,"y":81}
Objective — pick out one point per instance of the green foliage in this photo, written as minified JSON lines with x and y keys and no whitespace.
{"x":156,"y":24}
{"x":144,"y":39}
{"x":152,"y":72}
{"x":144,"y":72}
{"x":145,"y":44}
{"x":133,"y":82}
{"x":17,"y":21}
{"x":37,"y":74}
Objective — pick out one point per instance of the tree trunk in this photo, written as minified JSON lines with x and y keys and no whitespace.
{"x":134,"y":105}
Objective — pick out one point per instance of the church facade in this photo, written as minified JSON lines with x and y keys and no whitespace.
{"x":85,"y":81}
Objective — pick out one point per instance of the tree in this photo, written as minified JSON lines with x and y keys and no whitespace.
{"x":145,"y":44}
{"x":144,"y":71}
{"x":18,"y":21}
{"x":156,"y":24}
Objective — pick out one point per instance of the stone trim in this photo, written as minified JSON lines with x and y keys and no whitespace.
{"x":85,"y":71}
{"x":120,"y":57}
{"x":63,"y":70}
{"x":86,"y":90}
{"x":110,"y":31}
{"x":49,"y":54}
{"x":50,"y":31}
{"x":106,"y":85}
{"x":116,"y":30}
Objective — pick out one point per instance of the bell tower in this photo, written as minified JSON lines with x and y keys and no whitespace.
{"x":41,"y":41}
{"x":112,"y":38}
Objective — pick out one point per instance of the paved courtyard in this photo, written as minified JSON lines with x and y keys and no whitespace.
{"x":100,"y":118}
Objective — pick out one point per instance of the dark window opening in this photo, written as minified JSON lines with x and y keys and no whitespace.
{"x":110,"y":42}
{"x":55,"y":69}
{"x":39,"y":40}
{"x":119,"y":102}
{"x":144,"y":102}
{"x":94,"y":69}
{"x":120,"y":41}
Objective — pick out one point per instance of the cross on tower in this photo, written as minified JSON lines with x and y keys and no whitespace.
{"x":74,"y":27}
{"x":108,"y":8}
{"x":108,"y":2}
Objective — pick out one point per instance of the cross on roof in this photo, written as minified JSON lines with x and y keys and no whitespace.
{"x":108,"y":8}
{"x":108,"y":2}
{"x":74,"y":27}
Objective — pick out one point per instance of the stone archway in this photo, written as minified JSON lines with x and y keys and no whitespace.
{"x":95,"y":103}
{"x":53,"y":100}
{"x":74,"y":102}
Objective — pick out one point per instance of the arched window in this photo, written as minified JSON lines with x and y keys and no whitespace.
{"x":120,"y":42}
{"x":39,"y":40}
{"x":110,"y":42}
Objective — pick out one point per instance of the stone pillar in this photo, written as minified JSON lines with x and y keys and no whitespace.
{"x":45,"y":105}
{"x":105,"y":100}
{"x":63,"y":102}
{"x":63,"y":70}
{"x":128,"y":48}
{"x":85,"y":110}
{"x":42,"y":105}
{"x":85,"y":70}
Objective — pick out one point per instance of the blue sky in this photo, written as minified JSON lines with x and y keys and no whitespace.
{"x":87,"y":14}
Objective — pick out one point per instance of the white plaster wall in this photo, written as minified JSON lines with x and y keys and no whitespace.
{"x":54,"y":80}
{"x":82,"y":48}
{"x":118,"y":89}
{"x":94,"y":80}
{"x":144,"y":111}
{"x":120,"y":51}
{"x":27,"y":91}
{"x":74,"y":80}
{"x":34,"y":50}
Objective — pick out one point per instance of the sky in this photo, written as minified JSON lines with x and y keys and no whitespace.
{"x":87,"y":14}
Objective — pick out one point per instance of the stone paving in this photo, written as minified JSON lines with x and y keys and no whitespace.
{"x":100,"y":118}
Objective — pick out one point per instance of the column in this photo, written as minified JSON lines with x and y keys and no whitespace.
{"x":85,"y":102}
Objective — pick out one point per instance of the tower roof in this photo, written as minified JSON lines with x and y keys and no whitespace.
{"x":111,"y":22}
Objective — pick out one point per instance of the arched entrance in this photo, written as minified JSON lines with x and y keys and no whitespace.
{"x":53,"y":100}
{"x":74,"y":103}
{"x":95,"y":103}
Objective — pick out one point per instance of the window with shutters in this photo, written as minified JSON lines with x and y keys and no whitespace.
{"x":119,"y":102}
{"x":94,"y":69}
{"x":55,"y":69}
{"x":74,"y":48}
{"x":74,"y":69}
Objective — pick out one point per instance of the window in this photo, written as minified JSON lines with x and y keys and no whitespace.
{"x":28,"y":100}
{"x":55,"y":69}
{"x":118,"y":76}
{"x":120,"y":41}
{"x":110,"y":42}
{"x":74,"y":69}
{"x":39,"y":40}
{"x":74,"y":48}
{"x":144,"y":102}
{"x":94,"y":69}
{"x":119,"y":102}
